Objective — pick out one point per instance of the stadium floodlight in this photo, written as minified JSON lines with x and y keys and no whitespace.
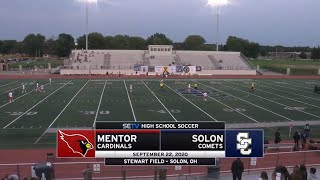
{"x":88,"y":3}
{"x":217,"y":4}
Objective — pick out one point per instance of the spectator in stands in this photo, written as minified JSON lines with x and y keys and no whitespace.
{"x":296,"y":138}
{"x":277,"y":137}
{"x":285,"y":173}
{"x":25,"y":178}
{"x":12,"y":177}
{"x":237,"y":169}
{"x":303,"y":171}
{"x":296,"y":175}
{"x":277,"y":174}
{"x":263,"y":176}
{"x":312,"y":175}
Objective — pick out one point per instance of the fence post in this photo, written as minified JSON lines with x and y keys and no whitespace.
{"x":277,"y":159}
{"x":124,"y":174}
{"x":155,"y":174}
{"x":288,"y":71}
{"x":20,"y":68}
{"x":319,"y":71}
{"x":49,"y":66}
{"x":249,"y":166}
{"x":18,"y":170}
{"x":304,"y":157}
{"x":258,"y":67}
{"x":87,"y":174}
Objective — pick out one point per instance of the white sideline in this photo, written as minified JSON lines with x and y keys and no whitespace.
{"x":192,"y":104}
{"x":159,"y":101}
{"x":250,"y":103}
{"x":134,"y":116}
{"x":35,"y":106}
{"x":95,"y":119}
{"x":61,"y":112}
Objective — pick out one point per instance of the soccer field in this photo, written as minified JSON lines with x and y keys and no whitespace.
{"x":32,"y":119}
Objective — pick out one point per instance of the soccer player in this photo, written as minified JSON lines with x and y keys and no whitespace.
{"x":50,"y":81}
{"x":195,"y":86}
{"x":10,"y":95}
{"x":316,"y":89}
{"x":24,"y":88}
{"x":205,"y":96}
{"x":252,"y":87}
{"x":41,"y":88}
{"x":189,"y":86}
{"x":37,"y":88}
{"x":161,"y":85}
{"x":131,"y":89}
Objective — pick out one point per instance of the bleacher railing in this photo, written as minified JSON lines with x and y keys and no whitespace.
{"x":64,"y":169}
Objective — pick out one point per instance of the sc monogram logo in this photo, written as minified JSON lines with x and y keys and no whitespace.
{"x":243,"y":143}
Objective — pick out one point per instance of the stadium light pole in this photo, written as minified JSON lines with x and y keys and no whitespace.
{"x":217,"y":4}
{"x":217,"y":44}
{"x":87,"y":4}
{"x":87,"y":24}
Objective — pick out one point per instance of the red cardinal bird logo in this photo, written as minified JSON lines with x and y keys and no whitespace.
{"x":78,"y":143}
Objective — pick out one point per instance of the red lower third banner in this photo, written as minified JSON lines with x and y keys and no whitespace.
{"x":76,"y":143}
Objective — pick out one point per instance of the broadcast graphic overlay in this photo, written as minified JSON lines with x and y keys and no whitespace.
{"x":164,"y":143}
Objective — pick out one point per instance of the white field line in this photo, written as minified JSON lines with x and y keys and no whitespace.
{"x":8,"y":83}
{"x":11,"y":90}
{"x":95,"y":119}
{"x":289,"y":92}
{"x":34,"y":106}
{"x":192,"y":103}
{"x":159,"y":101}
{"x":250,"y":103}
{"x":61,"y":112}
{"x":288,"y":98}
{"x":275,"y":84}
{"x":134,"y":116}
{"x":270,"y":99}
{"x":232,"y":108}
{"x":299,"y":85}
{"x":20,"y":97}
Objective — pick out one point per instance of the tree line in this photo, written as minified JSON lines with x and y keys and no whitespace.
{"x":37,"y":45}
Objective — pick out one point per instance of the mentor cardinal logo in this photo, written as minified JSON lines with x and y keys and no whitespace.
{"x":78,"y":143}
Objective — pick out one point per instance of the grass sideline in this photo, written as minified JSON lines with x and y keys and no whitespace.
{"x":298,"y":67}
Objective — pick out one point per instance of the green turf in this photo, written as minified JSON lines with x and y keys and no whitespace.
{"x":78,"y":104}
